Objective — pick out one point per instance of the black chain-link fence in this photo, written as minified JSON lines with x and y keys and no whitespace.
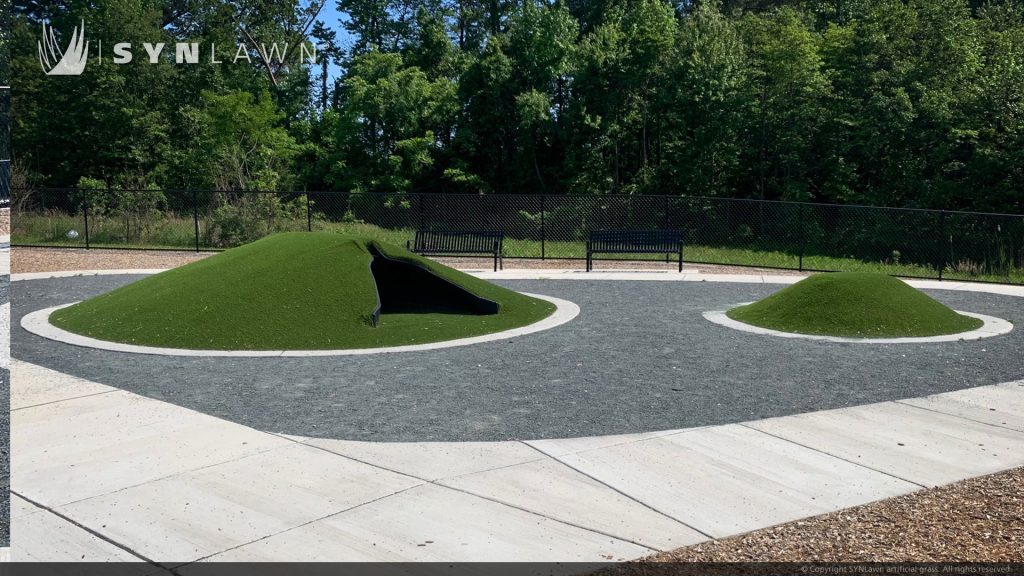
{"x":5,"y":142}
{"x":5,"y":104}
{"x":800,"y":236}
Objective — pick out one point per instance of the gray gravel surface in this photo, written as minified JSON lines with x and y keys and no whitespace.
{"x":638,"y":358}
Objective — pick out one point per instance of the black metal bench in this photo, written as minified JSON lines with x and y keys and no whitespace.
{"x":665,"y":242}
{"x":431,"y":243}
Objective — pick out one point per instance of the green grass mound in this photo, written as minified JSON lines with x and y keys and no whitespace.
{"x":854,"y":305}
{"x":292,"y":291}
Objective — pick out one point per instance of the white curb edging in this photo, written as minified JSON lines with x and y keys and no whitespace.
{"x":5,"y":335}
{"x":38,"y":323}
{"x":639,"y":275}
{"x":992,"y":327}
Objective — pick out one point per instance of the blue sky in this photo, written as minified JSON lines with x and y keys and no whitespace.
{"x":331,"y":18}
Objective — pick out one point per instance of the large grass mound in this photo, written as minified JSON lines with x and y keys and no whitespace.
{"x":854,"y":305}
{"x":293,"y":291}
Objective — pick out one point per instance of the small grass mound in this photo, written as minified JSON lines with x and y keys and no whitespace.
{"x":291,"y":291}
{"x":854,"y":305}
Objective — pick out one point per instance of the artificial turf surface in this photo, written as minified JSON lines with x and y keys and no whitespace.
{"x":291,"y":291}
{"x":854,"y":305}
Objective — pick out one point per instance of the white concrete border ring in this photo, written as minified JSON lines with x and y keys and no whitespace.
{"x":992,"y":327}
{"x":38,"y":323}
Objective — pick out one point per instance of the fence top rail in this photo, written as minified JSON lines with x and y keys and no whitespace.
{"x":460,"y":233}
{"x":635,"y":233}
{"x":592,"y":198}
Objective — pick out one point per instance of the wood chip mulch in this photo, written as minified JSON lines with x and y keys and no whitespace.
{"x":63,"y":259}
{"x":976,"y":520}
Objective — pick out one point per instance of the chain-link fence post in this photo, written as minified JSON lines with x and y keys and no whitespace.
{"x":543,"y":235}
{"x":309,"y":215}
{"x":802,"y":217}
{"x":85,"y":213}
{"x":195,"y":216}
{"x":942,"y":243}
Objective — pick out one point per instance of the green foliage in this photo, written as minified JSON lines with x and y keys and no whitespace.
{"x":854,"y":304}
{"x":710,"y":110}
{"x":790,"y":107}
{"x":386,"y":134}
{"x":240,"y":219}
{"x":886,"y":102}
{"x":136,"y":206}
{"x":244,"y":147}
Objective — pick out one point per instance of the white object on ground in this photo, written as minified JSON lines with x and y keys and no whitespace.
{"x":5,"y":335}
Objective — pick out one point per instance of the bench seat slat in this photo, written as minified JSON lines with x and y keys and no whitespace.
{"x":459,"y":242}
{"x":635,"y":242}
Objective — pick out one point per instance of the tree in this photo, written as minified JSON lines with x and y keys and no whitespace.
{"x":244,"y":146}
{"x":790,"y":106}
{"x":623,"y":66}
{"x":388,"y":129}
{"x":707,"y":108}
{"x":328,"y":51}
{"x":996,"y":170}
{"x":887,"y":102}
{"x":372,"y":24}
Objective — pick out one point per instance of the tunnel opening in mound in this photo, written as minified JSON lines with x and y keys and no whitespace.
{"x":302,"y":291}
{"x":405,"y":287}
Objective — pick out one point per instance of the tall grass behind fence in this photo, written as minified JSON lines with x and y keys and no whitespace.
{"x":799,"y":236}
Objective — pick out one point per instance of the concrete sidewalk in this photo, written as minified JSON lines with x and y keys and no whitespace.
{"x":103,"y":474}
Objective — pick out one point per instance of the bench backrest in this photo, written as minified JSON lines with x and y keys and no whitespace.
{"x":466,"y":242}
{"x":656,"y":241}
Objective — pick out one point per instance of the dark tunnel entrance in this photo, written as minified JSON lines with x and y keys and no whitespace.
{"x":408,"y":288}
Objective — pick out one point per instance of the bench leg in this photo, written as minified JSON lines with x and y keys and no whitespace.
{"x":680,"y":258}
{"x":495,"y":261}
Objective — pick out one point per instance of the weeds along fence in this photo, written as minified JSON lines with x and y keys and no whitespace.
{"x":798,"y":236}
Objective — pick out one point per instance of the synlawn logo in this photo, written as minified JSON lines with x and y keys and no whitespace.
{"x":69,"y":62}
